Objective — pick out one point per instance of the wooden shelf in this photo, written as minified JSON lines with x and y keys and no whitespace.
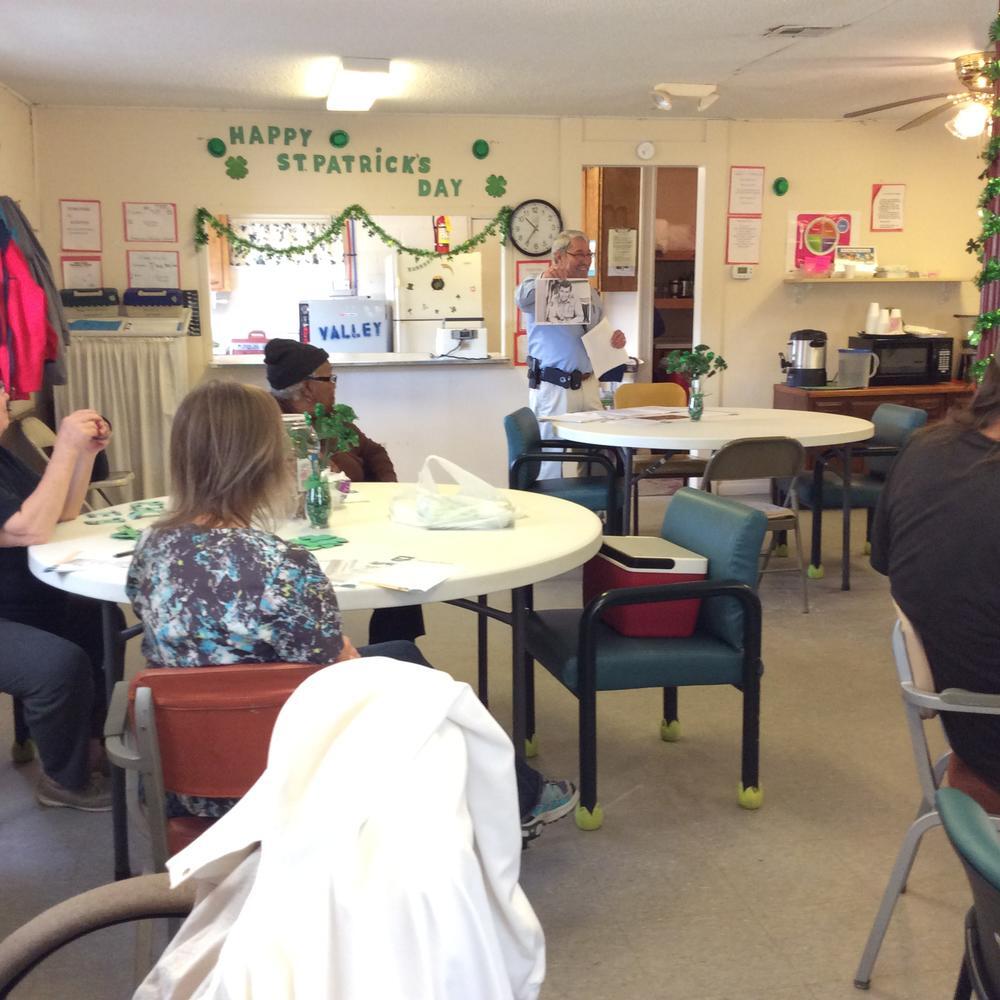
{"x":673,"y":303}
{"x":873,"y":281}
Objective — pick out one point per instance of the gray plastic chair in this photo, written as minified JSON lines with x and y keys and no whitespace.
{"x":774,"y":458}
{"x":921,"y":704}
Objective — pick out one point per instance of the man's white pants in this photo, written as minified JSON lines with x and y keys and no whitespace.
{"x":550,"y":400}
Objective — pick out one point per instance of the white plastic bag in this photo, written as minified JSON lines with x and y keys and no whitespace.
{"x":476,"y":505}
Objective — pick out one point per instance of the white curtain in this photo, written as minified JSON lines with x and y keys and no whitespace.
{"x":136,"y":383}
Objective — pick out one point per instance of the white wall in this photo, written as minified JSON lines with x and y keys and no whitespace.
{"x":116,"y":155}
{"x":17,"y":162}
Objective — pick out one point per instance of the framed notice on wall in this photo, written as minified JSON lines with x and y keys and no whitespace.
{"x":80,"y":224}
{"x":150,"y":221}
{"x":81,"y":272}
{"x":154,"y":269}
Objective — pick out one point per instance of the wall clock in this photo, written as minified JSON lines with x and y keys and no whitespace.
{"x":534,"y":225}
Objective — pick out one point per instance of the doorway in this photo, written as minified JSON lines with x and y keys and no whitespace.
{"x":653,"y":212}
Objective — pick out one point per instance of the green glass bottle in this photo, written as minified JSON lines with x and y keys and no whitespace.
{"x":317,"y":496}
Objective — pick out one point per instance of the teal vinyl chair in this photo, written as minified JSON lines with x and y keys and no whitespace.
{"x":526,"y":450}
{"x":587,"y":656}
{"x":973,"y":834}
{"x":894,"y":426}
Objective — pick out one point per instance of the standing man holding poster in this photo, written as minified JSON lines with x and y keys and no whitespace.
{"x":561,"y":378}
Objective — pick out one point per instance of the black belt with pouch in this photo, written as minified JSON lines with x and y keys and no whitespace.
{"x":555,"y":376}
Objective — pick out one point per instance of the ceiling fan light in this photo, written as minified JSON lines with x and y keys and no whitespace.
{"x":969,"y":121}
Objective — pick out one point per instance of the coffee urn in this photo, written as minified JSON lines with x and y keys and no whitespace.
{"x":806,"y":362}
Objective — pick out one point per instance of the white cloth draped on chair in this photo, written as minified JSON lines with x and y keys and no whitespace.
{"x":137,"y":383}
{"x":388,"y":858}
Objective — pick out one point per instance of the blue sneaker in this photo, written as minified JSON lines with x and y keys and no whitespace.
{"x":557,"y":799}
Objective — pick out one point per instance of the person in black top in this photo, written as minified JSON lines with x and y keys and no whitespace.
{"x":50,"y":642}
{"x":937,"y":536}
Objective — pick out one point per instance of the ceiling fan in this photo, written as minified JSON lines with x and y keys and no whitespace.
{"x":971,"y":72}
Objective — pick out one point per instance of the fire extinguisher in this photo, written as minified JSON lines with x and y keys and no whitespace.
{"x":442,"y":234}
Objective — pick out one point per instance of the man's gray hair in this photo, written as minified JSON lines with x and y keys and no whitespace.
{"x":561,"y":243}
{"x":290,"y":392}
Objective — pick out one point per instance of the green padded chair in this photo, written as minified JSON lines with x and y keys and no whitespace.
{"x":893,"y":427}
{"x":973,"y":834}
{"x":526,"y":449}
{"x":587,"y":656}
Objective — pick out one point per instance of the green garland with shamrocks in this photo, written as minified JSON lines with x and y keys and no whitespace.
{"x":499,"y":226}
{"x":990,"y":272}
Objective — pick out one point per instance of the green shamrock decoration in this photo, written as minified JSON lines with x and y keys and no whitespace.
{"x":236,"y":167}
{"x":496,"y":187}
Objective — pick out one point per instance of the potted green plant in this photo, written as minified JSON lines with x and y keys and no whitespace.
{"x":698,"y":364}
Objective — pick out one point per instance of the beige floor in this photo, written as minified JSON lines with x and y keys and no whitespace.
{"x":681,"y":894}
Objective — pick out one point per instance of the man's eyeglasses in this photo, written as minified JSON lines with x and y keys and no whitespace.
{"x":321,"y":378}
{"x":580,"y":253}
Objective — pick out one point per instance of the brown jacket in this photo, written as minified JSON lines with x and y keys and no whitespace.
{"x":369,"y":462}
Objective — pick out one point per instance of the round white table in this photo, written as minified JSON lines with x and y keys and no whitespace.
{"x":550,"y":537}
{"x":676,"y":431}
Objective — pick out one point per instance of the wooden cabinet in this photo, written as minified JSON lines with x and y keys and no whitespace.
{"x":218,"y":259}
{"x":936,"y":399}
{"x":610,"y":201}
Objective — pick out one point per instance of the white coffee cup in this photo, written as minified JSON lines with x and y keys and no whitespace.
{"x":850,"y":270}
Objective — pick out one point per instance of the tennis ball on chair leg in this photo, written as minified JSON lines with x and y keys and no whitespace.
{"x":531,"y":747}
{"x":750,"y":798}
{"x":670,"y":732}
{"x":589,"y":819}
{"x":815,"y":572}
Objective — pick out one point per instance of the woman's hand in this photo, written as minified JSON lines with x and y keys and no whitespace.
{"x":84,"y":431}
{"x":347,"y":652}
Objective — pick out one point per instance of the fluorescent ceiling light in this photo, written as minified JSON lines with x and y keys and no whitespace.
{"x":970,"y":120}
{"x":358,"y":84}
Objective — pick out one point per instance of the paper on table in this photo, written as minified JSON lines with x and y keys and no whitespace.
{"x":393,"y":573}
{"x":580,"y":417}
{"x":597,"y":344}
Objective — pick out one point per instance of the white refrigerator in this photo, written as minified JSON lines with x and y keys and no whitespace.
{"x":428,"y":294}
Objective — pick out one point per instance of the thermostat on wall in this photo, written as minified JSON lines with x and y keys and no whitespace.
{"x":742,"y":271}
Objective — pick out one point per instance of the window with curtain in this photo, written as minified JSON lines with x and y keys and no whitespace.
{"x":264,"y":296}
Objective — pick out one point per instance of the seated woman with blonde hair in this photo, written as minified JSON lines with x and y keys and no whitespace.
{"x":213,"y":584}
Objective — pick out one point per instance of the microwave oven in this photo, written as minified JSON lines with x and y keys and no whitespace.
{"x":905,"y":359}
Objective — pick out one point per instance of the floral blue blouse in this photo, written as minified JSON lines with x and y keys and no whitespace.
{"x":214,"y":596}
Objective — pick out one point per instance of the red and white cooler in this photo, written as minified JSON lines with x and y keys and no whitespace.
{"x":641,"y":561}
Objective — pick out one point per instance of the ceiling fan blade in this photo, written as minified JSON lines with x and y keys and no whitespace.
{"x":895,"y":104}
{"x":927,"y":116}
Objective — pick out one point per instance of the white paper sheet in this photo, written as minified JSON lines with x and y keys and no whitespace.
{"x":597,"y":344}
{"x":388,"y":571}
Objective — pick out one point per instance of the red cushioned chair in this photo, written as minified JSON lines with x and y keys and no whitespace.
{"x":201,"y":731}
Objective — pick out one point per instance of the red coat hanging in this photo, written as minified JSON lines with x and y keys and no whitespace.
{"x":28,"y":338}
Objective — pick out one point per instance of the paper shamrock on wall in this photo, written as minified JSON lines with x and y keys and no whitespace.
{"x":496,"y":186}
{"x":236,"y":167}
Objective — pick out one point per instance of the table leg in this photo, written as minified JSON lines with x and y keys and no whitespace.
{"x":114,"y":669}
{"x":481,"y":652}
{"x":845,"y":569}
{"x":815,"y":570}
{"x":520,"y":602}
{"x":626,"y":522}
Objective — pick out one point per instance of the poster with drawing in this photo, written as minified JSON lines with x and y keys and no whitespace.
{"x":562,"y":301}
